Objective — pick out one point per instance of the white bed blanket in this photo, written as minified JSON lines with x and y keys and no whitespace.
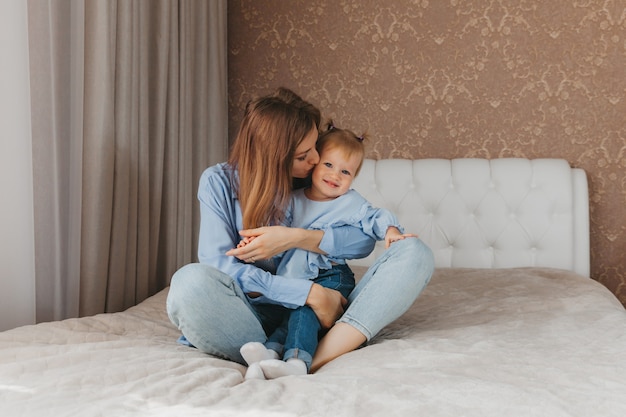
{"x":503,"y":342}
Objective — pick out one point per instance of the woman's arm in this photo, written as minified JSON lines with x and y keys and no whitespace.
{"x":272,"y":240}
{"x":327,"y":304}
{"x":220,"y":219}
{"x":344,"y":242}
{"x":332,"y":231}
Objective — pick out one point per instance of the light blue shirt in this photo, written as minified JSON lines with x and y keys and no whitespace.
{"x":220,"y":222}
{"x":350,"y":209}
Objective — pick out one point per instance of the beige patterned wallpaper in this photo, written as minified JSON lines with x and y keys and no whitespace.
{"x":457,"y":78}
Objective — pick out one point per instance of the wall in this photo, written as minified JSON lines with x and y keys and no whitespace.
{"x":17,"y":264}
{"x":456,"y":79}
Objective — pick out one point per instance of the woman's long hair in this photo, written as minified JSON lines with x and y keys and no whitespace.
{"x":263,"y":152}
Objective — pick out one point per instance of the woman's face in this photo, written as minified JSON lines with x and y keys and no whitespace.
{"x":306,"y":156}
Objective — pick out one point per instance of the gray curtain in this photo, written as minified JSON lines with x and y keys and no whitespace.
{"x":129,"y":105}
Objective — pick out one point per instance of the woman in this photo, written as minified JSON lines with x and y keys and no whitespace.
{"x":232,"y":296}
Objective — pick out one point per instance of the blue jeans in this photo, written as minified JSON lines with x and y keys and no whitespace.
{"x":214,"y":314}
{"x":300,"y":331}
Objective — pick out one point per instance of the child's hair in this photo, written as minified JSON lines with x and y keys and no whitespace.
{"x":344,"y":139}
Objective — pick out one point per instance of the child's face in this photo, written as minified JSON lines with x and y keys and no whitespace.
{"x":334,"y":173}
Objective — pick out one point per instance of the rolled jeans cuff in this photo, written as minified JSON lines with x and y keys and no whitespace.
{"x":357,"y":325}
{"x":296,"y":353}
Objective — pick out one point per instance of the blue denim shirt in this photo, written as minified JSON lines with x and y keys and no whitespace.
{"x":350,"y":209}
{"x":220,"y":222}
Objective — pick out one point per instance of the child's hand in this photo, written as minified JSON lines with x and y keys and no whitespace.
{"x":393,"y":235}
{"x":243,"y":242}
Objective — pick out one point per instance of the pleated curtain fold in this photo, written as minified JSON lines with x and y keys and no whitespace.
{"x":129,"y":105}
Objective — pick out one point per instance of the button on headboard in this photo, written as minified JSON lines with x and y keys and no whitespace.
{"x":480,"y":213}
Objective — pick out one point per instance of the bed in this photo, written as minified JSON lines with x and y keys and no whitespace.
{"x":510,"y":324}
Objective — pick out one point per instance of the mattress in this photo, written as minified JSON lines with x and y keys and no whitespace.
{"x":477,"y":342}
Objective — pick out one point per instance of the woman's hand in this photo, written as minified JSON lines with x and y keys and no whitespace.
{"x":327,"y":304}
{"x":266,"y":242}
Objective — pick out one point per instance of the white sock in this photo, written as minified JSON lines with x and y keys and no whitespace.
{"x":254,"y":371}
{"x":274,"y":368}
{"x":253,"y":352}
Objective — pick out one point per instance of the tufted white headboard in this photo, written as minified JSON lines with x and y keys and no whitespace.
{"x":480,"y":213}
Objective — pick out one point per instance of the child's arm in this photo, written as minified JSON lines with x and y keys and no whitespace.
{"x":393,"y":235}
